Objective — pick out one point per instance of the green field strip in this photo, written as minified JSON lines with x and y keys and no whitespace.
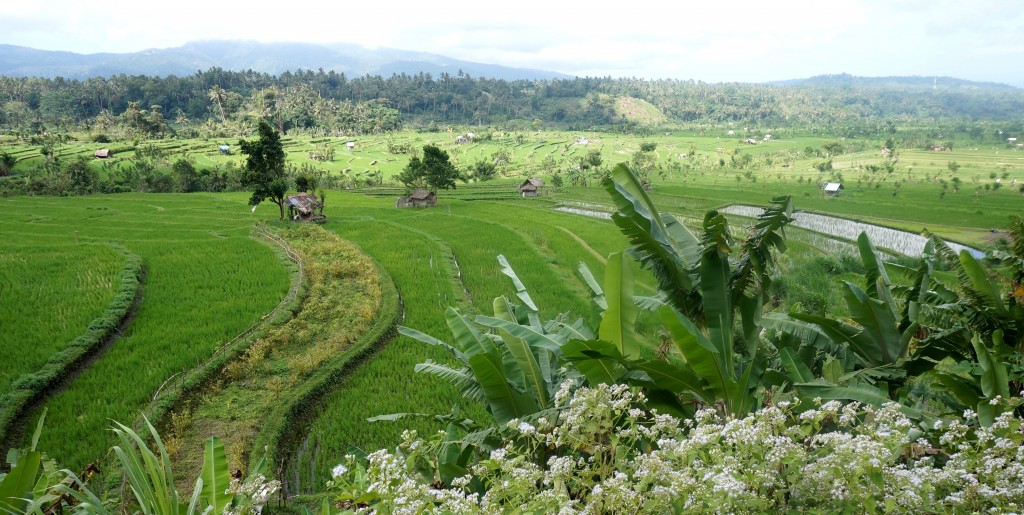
{"x":386,"y":383}
{"x":37,"y":354}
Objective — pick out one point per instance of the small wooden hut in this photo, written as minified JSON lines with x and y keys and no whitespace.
{"x":304,"y":207}
{"x":418,"y":198}
{"x":103,"y":153}
{"x":531,"y":187}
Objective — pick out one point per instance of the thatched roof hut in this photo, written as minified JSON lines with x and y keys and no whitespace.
{"x":531,"y":187}
{"x":418,"y":198}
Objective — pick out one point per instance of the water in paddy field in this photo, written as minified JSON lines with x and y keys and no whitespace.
{"x":895,"y":240}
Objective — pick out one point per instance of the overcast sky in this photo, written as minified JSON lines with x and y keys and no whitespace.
{"x":712,"y":41}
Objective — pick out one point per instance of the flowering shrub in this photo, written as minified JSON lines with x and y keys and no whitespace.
{"x":603,"y":451}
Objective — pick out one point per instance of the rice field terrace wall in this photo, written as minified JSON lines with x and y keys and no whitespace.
{"x":206,"y":282}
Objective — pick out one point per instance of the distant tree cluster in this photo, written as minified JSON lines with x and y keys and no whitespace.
{"x":217,"y":102}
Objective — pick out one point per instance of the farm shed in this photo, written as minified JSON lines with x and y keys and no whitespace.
{"x":531,"y":187}
{"x":303,"y":207}
{"x":418,"y":198}
{"x":832,"y":188}
{"x":350,"y":144}
{"x":461,"y":140}
{"x":224,"y":149}
{"x":103,"y":153}
{"x":582,"y":140}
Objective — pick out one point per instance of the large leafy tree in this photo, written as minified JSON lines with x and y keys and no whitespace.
{"x":264,"y":167}
{"x":433,"y":170}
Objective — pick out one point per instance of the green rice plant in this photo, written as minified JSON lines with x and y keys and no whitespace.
{"x":50,"y":294}
{"x":206,"y":282}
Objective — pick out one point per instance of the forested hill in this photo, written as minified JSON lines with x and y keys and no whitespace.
{"x":328,"y":102}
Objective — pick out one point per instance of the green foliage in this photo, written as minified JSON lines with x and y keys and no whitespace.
{"x":7,"y":162}
{"x":264,"y":167}
{"x":484,"y":170}
{"x":433,"y":170}
{"x":516,"y":369}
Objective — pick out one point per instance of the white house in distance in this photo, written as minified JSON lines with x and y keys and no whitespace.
{"x":832,"y":188}
{"x":350,"y":144}
{"x":582,"y":140}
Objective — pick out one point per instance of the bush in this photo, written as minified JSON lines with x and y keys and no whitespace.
{"x":606,"y":451}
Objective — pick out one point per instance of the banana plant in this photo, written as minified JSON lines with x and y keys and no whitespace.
{"x":705,"y":292}
{"x":870,"y":356}
{"x":510,"y":361}
{"x":990,"y":306}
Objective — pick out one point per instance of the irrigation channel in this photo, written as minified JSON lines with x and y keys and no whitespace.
{"x":839,"y":231}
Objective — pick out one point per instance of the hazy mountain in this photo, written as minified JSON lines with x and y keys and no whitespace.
{"x":938,"y":83}
{"x":273,"y":58}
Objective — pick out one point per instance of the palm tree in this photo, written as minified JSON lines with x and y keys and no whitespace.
{"x":217,"y":95}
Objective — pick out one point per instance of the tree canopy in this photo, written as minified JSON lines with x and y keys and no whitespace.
{"x":264,"y":167}
{"x":433,"y":170}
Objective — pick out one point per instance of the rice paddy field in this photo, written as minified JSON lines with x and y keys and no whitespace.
{"x":206,"y":280}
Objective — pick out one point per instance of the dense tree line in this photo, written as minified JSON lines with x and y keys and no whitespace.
{"x":329,"y":102}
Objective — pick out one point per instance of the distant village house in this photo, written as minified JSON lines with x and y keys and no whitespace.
{"x":418,"y":198}
{"x":582,"y":140}
{"x":224,"y":149}
{"x":350,"y":144}
{"x":832,"y":188}
{"x":531,"y":187}
{"x":103,"y":153}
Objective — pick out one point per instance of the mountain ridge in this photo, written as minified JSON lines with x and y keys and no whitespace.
{"x":238,"y":55}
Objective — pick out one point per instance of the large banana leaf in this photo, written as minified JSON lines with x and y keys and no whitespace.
{"x":535,"y":338}
{"x":503,"y":401}
{"x":16,"y":487}
{"x":525,"y":360}
{"x":430,"y":340}
{"x":600,"y":362}
{"x":882,"y":342}
{"x":521,"y":291}
{"x":661,"y":244}
{"x":982,"y":284}
{"x":796,"y":369}
{"x":466,"y":335}
{"x":215,"y":476}
{"x":595,"y":287}
{"x":874,"y":268}
{"x":678,"y":380}
{"x":619,"y":319}
{"x":714,"y":286}
{"x":701,"y":355}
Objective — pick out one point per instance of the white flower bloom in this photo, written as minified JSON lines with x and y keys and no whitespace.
{"x":338,"y":471}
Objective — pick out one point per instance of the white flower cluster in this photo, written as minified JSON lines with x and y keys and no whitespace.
{"x":605,"y":452}
{"x":255,"y":492}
